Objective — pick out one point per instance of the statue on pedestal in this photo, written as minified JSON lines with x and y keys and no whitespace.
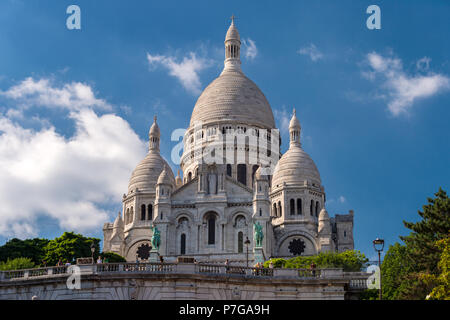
{"x":156,"y":238}
{"x":258,"y":234}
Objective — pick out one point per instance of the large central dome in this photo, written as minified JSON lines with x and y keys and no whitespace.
{"x":233,"y":96}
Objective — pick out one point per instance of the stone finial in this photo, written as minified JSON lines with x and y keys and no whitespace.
{"x":232,"y":18}
{"x":154,"y":135}
{"x":294,"y":130}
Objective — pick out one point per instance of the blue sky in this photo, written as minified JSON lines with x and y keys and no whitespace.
{"x":76,"y":105}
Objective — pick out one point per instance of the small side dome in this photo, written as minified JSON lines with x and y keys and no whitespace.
{"x":146,"y":174}
{"x":165,"y":177}
{"x":324,"y":227}
{"x":260,"y":176}
{"x":294,"y":168}
{"x":323,"y":215}
{"x":118,"y":223}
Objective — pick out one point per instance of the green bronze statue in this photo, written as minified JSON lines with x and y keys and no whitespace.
{"x":258,"y":234}
{"x":156,"y":238}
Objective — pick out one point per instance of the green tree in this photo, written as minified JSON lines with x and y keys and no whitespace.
{"x":16,"y":264}
{"x":29,"y":248}
{"x":434,"y":226}
{"x":351,"y":260}
{"x":395,"y":269}
{"x":441,"y":282}
{"x":413,"y":270}
{"x":112,"y":257}
{"x":70,"y":246}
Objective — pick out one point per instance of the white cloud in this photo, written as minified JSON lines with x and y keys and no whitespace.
{"x":342,"y":199}
{"x":185,"y":71}
{"x":42,"y":93}
{"x":283,"y":117}
{"x":311,"y":51}
{"x":423,"y":64}
{"x":250,"y":49}
{"x":402,"y":90}
{"x":71,"y":179}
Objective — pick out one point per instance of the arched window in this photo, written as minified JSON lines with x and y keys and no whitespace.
{"x":274,"y":213}
{"x":189,"y":176}
{"x":131,"y":215}
{"x":143,"y":212}
{"x":242,"y":173}
{"x":260,"y":212}
{"x":196,"y":172}
{"x":240,"y":242}
{"x":211,"y":229}
{"x":183,"y":244}
{"x":317,"y":208}
{"x":299,"y":206}
{"x":229,"y":172}
{"x":127,"y":216}
{"x":311,"y":208}
{"x":292,"y":207}
{"x":280,"y":212}
{"x":150,"y":212}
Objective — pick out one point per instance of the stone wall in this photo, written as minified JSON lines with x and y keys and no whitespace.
{"x":181,"y":281}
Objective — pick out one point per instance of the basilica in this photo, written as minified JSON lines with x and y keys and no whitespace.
{"x":234,"y":180}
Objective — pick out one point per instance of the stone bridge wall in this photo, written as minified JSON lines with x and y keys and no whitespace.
{"x":180,"y":281}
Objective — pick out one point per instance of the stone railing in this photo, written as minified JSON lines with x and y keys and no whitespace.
{"x":357,"y":280}
{"x":33,"y":273}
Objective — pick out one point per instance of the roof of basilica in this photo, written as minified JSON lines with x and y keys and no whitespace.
{"x":233,"y":97}
{"x":295,"y":166}
{"x":166,"y":177}
{"x":147,"y":172}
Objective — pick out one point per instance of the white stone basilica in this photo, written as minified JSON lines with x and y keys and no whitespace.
{"x":210,"y":213}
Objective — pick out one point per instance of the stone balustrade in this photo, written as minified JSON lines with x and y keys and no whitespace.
{"x":357,"y":280}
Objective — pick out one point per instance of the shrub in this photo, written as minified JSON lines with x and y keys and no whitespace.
{"x":112,"y":257}
{"x":16,"y":264}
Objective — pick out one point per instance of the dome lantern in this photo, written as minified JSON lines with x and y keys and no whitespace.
{"x":232,"y":47}
{"x":154,"y":135}
{"x":294,"y":130}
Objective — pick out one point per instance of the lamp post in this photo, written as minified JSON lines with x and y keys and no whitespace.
{"x":92,"y":251}
{"x":247,"y":242}
{"x":378,"y":245}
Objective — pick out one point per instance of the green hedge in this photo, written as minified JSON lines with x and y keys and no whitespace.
{"x":352,"y":260}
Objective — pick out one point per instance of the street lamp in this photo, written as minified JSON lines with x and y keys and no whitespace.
{"x":92,"y":251}
{"x":247,"y":242}
{"x":378,"y":245}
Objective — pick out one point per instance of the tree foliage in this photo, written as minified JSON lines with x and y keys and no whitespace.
{"x":419,"y":268}
{"x":395,"y":268}
{"x":16,"y":264}
{"x":29,"y":248}
{"x":434,"y":226}
{"x":351,"y":260}
{"x":70,"y":246}
{"x":112,"y":257}
{"x":441,"y":282}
